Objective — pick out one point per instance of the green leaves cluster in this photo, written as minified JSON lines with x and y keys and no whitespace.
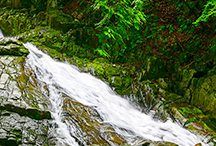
{"x":120,"y":20}
{"x":210,"y":10}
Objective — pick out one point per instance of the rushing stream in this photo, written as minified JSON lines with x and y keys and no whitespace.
{"x":66,"y":87}
{"x":1,"y":34}
{"x":65,"y":79}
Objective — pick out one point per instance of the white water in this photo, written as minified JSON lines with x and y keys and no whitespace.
{"x":88,"y":90}
{"x":1,"y":34}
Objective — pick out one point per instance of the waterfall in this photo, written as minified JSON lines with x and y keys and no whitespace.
{"x":1,"y":34}
{"x":86,"y":89}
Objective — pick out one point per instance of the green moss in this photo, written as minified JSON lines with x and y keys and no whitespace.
{"x":52,"y":52}
{"x":154,"y":68}
{"x":186,"y":111}
{"x":190,"y":120}
{"x":111,"y":71}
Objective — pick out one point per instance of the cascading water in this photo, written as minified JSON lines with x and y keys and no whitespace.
{"x":1,"y":34}
{"x":84,"y":88}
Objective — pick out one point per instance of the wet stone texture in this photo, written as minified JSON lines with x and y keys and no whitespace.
{"x":11,"y":46}
{"x":21,"y":130}
{"x":23,"y":121}
{"x":89,"y":128}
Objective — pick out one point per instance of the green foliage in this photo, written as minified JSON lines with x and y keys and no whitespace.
{"x":103,"y":52}
{"x":171,"y":29}
{"x":41,"y":6}
{"x":162,"y":28}
{"x":190,"y":120}
{"x":120,"y":22}
{"x":26,"y":4}
{"x":63,"y":2}
{"x":210,"y":10}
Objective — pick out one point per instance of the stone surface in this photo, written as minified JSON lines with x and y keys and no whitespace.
{"x":204,"y":94}
{"x":14,"y":97}
{"x":20,"y":130}
{"x":11,"y":46}
{"x":22,"y":122}
{"x":22,"y":95}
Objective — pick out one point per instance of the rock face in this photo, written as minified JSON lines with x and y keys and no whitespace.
{"x":21,"y":123}
{"x":23,"y":103}
{"x":11,"y":46}
{"x":16,"y":22}
{"x":21,"y":130}
{"x":204,"y":94}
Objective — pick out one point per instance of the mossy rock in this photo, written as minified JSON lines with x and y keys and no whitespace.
{"x":212,"y":49}
{"x":60,"y":21}
{"x":193,"y":119}
{"x":30,"y":112}
{"x":204,"y":94}
{"x":117,"y":81}
{"x":11,"y":46}
{"x":154,"y":68}
{"x":181,"y":79}
{"x":14,"y":22}
{"x":190,"y":111}
{"x":162,"y":82}
{"x":52,"y":52}
{"x":112,"y":71}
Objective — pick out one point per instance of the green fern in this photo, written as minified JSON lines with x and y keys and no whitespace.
{"x":127,"y":18}
{"x":210,"y":10}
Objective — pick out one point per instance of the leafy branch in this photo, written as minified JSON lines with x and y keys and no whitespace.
{"x":210,"y":10}
{"x":118,"y":21}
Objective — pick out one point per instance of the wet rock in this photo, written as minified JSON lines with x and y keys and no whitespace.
{"x":203,"y":94}
{"x":60,"y":21}
{"x":88,"y":123}
{"x":11,"y":46}
{"x":13,"y":97}
{"x":16,"y":130}
{"x":152,"y":143}
{"x":182,"y":79}
{"x":8,"y":40}
{"x":193,"y":119}
{"x":22,"y":123}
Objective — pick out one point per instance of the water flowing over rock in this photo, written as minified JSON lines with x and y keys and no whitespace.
{"x":22,"y":123}
{"x":44,"y":102}
{"x":1,"y":34}
{"x":82,"y":106}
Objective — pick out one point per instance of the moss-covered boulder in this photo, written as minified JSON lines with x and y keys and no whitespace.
{"x":11,"y":46}
{"x":17,"y":3}
{"x":212,"y":49}
{"x":203,"y":94}
{"x":60,"y":21}
{"x":154,"y":68}
{"x":14,"y":22}
{"x":181,"y":80}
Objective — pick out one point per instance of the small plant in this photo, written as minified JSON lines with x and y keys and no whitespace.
{"x":210,"y":10}
{"x":171,"y":29}
{"x":120,"y":20}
